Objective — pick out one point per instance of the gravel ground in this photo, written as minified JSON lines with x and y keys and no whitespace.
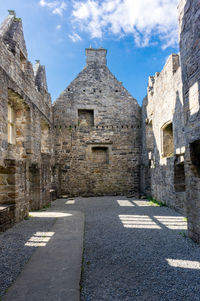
{"x":137,"y":252}
{"x":14,"y":250}
{"x":133,"y":251}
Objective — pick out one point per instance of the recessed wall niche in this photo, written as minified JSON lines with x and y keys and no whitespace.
{"x":85,"y":117}
{"x":100,"y":154}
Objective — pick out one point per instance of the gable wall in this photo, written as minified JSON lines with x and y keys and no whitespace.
{"x":116,"y":127}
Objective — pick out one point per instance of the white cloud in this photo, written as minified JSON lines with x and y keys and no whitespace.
{"x":56,"y":7}
{"x":58,"y":27}
{"x":59,"y":10}
{"x":143,"y":19}
{"x":75,"y":37}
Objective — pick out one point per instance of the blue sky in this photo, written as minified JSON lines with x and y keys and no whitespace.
{"x":138,"y":34}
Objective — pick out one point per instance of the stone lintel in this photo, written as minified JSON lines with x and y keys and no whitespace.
{"x":99,"y":143}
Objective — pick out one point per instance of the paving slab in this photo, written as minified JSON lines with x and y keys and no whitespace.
{"x":53,"y":272}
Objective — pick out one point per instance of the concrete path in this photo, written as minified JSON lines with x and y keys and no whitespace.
{"x":53,"y":272}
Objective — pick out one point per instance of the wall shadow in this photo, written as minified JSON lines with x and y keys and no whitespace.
{"x":132,"y":252}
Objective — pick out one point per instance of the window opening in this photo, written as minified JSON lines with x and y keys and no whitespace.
{"x":86,"y":118}
{"x":195,"y":156}
{"x":167,"y":140}
{"x":100,"y":154}
{"x":11,"y":124}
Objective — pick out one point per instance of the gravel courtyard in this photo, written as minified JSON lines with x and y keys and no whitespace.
{"x":133,"y":250}
{"x":138,"y":252}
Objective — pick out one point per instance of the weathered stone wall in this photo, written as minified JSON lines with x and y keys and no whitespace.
{"x":25,"y":91}
{"x":163,"y":142}
{"x":189,"y":30}
{"x":97,"y":133}
{"x":174,"y":96}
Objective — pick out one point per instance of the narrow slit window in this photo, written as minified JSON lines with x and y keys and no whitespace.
{"x":179,"y":177}
{"x":45,"y":137}
{"x":149,"y":136}
{"x":167,"y":140}
{"x":195,"y":156}
{"x":11,"y":125}
{"x":22,"y":61}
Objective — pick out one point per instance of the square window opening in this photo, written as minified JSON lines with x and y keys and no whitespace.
{"x":100,"y":154}
{"x":86,"y":118}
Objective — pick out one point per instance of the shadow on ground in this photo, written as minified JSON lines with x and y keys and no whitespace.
{"x":136,"y":251}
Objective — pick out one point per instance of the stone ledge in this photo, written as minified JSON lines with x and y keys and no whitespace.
{"x":7,"y":216}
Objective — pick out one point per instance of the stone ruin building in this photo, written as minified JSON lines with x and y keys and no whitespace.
{"x":26,"y":126}
{"x":95,"y":139}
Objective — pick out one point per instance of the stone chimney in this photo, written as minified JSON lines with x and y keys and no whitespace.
{"x":12,"y":12}
{"x":97,"y":56}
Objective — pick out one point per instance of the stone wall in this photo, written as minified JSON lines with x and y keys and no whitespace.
{"x":100,"y":142}
{"x":97,"y":133}
{"x":163,"y":138}
{"x":172,"y":105}
{"x":25,"y":106}
{"x":189,"y":31}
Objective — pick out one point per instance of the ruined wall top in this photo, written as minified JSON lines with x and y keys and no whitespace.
{"x":171,"y":66}
{"x":40,"y":76}
{"x":182,"y":3}
{"x":11,"y":31}
{"x":97,"y":56}
{"x":14,"y":61}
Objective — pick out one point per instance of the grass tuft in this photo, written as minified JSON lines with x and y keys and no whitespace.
{"x":182,"y":234}
{"x":154,"y":202}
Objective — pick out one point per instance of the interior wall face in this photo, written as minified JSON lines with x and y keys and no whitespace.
{"x":97,"y":133}
{"x":189,"y":38}
{"x":24,"y":104}
{"x":163,"y":121}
